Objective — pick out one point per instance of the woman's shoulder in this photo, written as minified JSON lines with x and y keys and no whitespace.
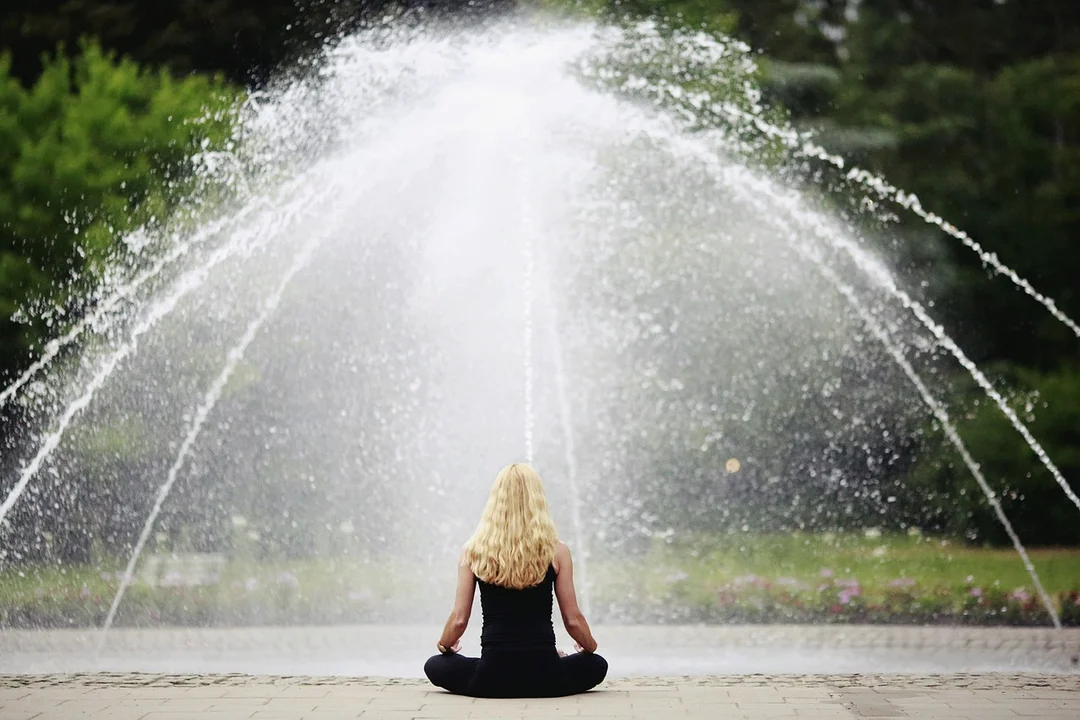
{"x":562,"y":555}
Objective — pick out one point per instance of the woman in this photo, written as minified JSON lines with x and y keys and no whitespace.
{"x":516,"y":558}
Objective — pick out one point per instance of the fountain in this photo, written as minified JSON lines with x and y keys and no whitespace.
{"x":435,"y":251}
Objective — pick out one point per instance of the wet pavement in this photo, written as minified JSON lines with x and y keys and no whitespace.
{"x":400,"y":650}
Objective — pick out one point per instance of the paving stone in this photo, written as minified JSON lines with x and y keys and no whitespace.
{"x":769,"y":710}
{"x":237,"y":704}
{"x":290,"y":704}
{"x":824,"y":697}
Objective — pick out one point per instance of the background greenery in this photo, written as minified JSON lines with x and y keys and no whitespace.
{"x":786,"y":578}
{"x":974,"y":105}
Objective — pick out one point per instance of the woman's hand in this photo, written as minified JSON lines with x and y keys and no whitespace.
{"x":456,"y":647}
{"x":577,"y":646}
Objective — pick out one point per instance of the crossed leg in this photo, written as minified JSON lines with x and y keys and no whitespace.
{"x":574,"y":674}
{"x":582,"y":671}
{"x":452,"y":672}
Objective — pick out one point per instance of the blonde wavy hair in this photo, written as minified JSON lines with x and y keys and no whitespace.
{"x":514,"y":544}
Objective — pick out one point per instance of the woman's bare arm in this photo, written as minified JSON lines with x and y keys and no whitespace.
{"x":463,"y":602}
{"x":572,"y":617}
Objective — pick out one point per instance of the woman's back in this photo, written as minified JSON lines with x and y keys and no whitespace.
{"x":517,"y":619}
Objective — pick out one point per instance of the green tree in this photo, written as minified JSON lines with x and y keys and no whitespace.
{"x":97,"y":146}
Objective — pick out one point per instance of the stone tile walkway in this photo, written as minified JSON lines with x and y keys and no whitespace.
{"x":229,"y":697}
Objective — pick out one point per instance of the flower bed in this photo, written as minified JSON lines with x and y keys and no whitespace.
{"x":754,"y":599}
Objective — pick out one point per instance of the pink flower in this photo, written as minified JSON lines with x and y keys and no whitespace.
{"x":826,"y":573}
{"x":901,"y":582}
{"x":1020,"y":594}
{"x":976,"y":592}
{"x":851,"y":590}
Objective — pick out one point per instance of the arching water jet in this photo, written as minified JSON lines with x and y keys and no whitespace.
{"x":507,"y":246}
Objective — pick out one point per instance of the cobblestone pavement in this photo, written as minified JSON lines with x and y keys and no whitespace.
{"x":764,"y":697}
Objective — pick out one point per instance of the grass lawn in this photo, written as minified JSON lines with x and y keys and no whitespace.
{"x":737,"y":578}
{"x":875,"y":562}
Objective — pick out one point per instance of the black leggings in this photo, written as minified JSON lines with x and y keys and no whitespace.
{"x":517,"y":674}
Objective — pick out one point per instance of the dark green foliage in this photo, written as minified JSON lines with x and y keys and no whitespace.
{"x":983,"y":100}
{"x":1029,"y":495}
{"x":244,"y":39}
{"x":92,"y":149}
{"x":239,"y":37}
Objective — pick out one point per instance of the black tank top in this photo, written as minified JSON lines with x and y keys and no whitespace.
{"x":517,"y":619}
